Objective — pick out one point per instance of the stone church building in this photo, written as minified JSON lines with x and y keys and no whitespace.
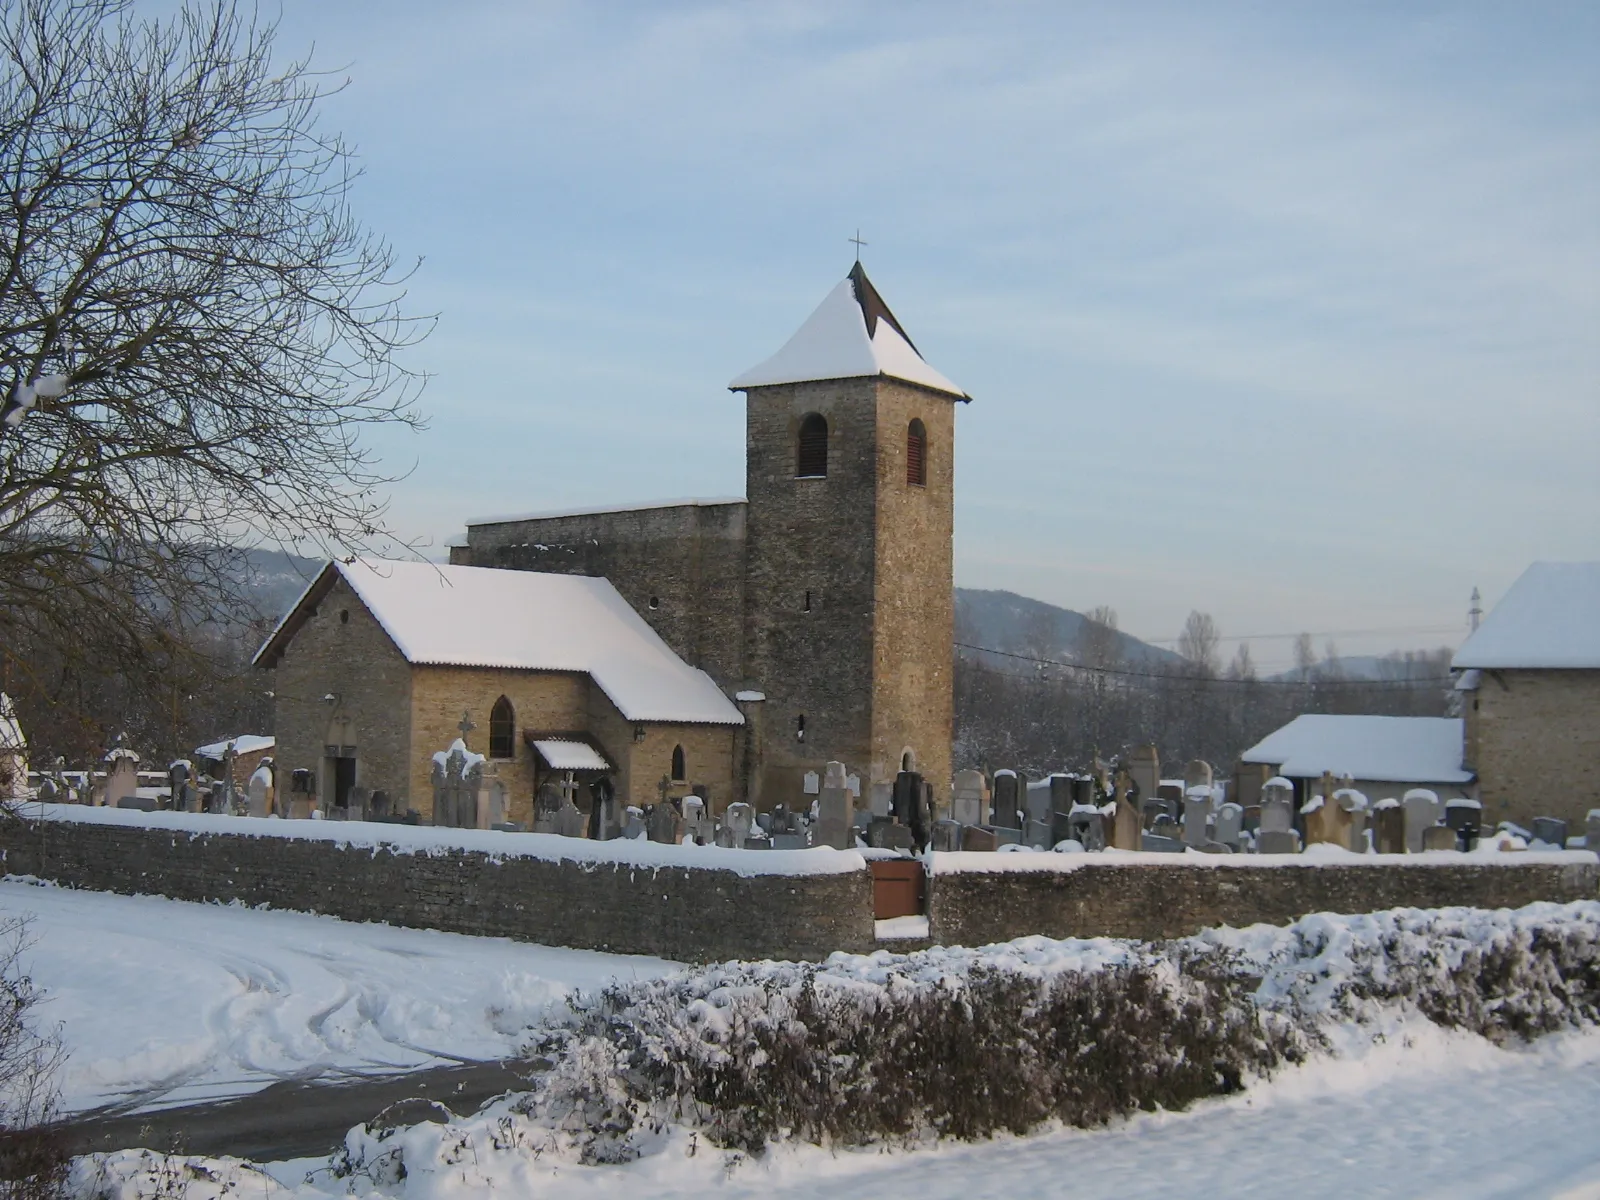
{"x":820,"y":606}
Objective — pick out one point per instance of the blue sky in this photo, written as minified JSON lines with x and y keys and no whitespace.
{"x":1288,"y":312}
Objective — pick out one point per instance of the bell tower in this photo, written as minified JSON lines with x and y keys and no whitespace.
{"x":849,"y":600}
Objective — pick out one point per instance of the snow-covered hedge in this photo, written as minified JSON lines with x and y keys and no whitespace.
{"x":969,"y":1043}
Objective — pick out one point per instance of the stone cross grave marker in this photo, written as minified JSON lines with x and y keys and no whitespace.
{"x":1422,"y":810}
{"x":665,"y":825}
{"x":697,"y":824}
{"x":1389,"y":827}
{"x":1466,"y":818}
{"x":834,"y":810}
{"x":569,"y":821}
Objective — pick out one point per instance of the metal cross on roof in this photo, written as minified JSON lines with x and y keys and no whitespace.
{"x":858,"y":243}
{"x":465,"y":725}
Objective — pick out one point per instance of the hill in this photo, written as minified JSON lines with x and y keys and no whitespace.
{"x":1006,"y":621}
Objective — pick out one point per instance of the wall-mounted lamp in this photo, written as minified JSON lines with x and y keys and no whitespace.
{"x":331,"y":699}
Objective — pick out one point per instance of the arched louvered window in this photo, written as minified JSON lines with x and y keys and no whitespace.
{"x":917,"y":453}
{"x":502,"y":730}
{"x":679,"y":773}
{"x":811,"y":454}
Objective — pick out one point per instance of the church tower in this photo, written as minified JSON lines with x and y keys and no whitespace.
{"x":849,"y":602}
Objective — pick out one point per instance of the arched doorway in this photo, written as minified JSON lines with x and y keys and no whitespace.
{"x":338,"y":762}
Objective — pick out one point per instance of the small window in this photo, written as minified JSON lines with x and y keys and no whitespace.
{"x":806,"y":605}
{"x":917,"y":454}
{"x":655,"y":602}
{"x":811,"y":455}
{"x":679,"y":771}
{"x":800,"y":728}
{"x":502,"y":730}
{"x":344,"y":616}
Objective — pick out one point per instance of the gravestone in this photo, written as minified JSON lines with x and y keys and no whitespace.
{"x":1036,"y":803}
{"x":1591,"y":829}
{"x":122,"y":776}
{"x":1551,"y":830}
{"x":1154,"y":810}
{"x":1172,"y":793}
{"x":974,"y":838}
{"x":889,"y":835}
{"x":1466,"y":817}
{"x":1061,"y":798}
{"x":1166,"y":827}
{"x":223,"y":799}
{"x":791,"y":841}
{"x":1439,"y":837}
{"x":179,"y":775}
{"x":1160,"y":843}
{"x":457,"y":774}
{"x":1197,"y":774}
{"x":605,"y":812}
{"x":633,"y":825}
{"x":260,"y":789}
{"x":1086,"y":825}
{"x":810,"y":783}
{"x":664,"y":825}
{"x":1214,"y":847}
{"x":834,"y":810}
{"x":1144,"y":765}
{"x":969,"y":798}
{"x":1196,"y":811}
{"x":1004,"y":835}
{"x":1277,"y":806}
{"x":546,"y":803}
{"x":1252,"y":818}
{"x":1126,"y":826}
{"x":947,"y":835}
{"x":1355,"y":807}
{"x":569,"y":821}
{"x":697,"y":825}
{"x":1278,"y":841}
{"x":1389,"y":827}
{"x":1230,"y":824}
{"x":881,"y":802}
{"x":1248,"y":780}
{"x":1326,"y":822}
{"x":49,"y":791}
{"x":1422,"y":809}
{"x":738,"y":821}
{"x":1038,"y":833}
{"x":1007,"y":800}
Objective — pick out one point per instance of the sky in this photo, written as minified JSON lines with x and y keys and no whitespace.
{"x":1289,"y":313}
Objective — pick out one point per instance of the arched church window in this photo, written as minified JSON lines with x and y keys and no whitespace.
{"x":917,"y":453}
{"x":679,"y":771}
{"x":811,"y":453}
{"x":502,"y":730}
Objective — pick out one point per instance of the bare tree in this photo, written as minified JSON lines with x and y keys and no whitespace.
{"x":1305,"y":657}
{"x":1198,"y":642}
{"x":1243,"y":665}
{"x":1098,"y":644}
{"x":203,"y":329}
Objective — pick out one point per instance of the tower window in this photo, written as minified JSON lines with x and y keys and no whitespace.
{"x":679,"y":771}
{"x":502,"y":730}
{"x":917,"y":453}
{"x":655,"y":602}
{"x":811,"y":453}
{"x":800,"y":729}
{"x":806,"y":604}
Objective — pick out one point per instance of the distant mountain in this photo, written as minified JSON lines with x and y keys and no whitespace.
{"x":276,"y":579}
{"x":1009,"y":622}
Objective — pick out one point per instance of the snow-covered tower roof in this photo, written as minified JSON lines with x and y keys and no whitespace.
{"x":851,"y":334}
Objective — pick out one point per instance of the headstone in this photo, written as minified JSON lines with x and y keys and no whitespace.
{"x":739,"y":820}
{"x":1277,"y":806}
{"x":1086,"y":825}
{"x":1196,"y":811}
{"x":605,"y":813}
{"x":1007,"y":800}
{"x":1126,"y":826}
{"x":697,"y":825}
{"x":1422,"y":809}
{"x":570,"y":822}
{"x":1172,"y":793}
{"x":1154,"y":810}
{"x":889,"y":835}
{"x":1230,"y":824}
{"x":969,"y":798}
{"x":791,"y":841}
{"x":1061,"y":798}
{"x":379,"y":806}
{"x":1388,"y":827}
{"x":1004,"y":835}
{"x":1144,"y":764}
{"x":1326,"y":822}
{"x":122,"y":776}
{"x":1252,"y":818}
{"x":633,"y":825}
{"x":1038,"y":833}
{"x":881,"y":802}
{"x":947,"y":835}
{"x":179,"y":775}
{"x":974,"y":838}
{"x":457,"y":775}
{"x":1552,"y":831}
{"x":664,"y":824}
{"x":810,"y":783}
{"x":1197,"y":774}
{"x":1591,"y":829}
{"x":1214,"y":847}
{"x":1276,"y":841}
{"x":260,"y":789}
{"x":1439,"y":837}
{"x":834,"y":810}
{"x":1036,"y":802}
{"x":1162,"y":844}
{"x":1248,"y":779}
{"x":546,"y":803}
{"x":1466,"y":818}
{"x":222,"y":796}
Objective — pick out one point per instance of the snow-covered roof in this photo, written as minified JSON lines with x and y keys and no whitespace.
{"x":523,"y":620}
{"x":643,"y":506}
{"x":852,"y":333}
{"x":564,"y":755}
{"x":1386,"y":749}
{"x":245,"y":743}
{"x":1549,"y":618}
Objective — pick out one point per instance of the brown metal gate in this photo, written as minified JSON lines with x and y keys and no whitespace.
{"x":899,"y":888}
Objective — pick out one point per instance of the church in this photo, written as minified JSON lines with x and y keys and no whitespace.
{"x":726,"y":645}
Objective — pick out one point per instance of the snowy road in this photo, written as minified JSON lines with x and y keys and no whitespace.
{"x":162,"y":1002}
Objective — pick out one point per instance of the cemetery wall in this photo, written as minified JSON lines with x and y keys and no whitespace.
{"x":688,"y":557}
{"x":1174,"y":900}
{"x":811,"y":539}
{"x":547,"y":701}
{"x":710,"y":755}
{"x":1534,"y":739}
{"x":342,"y":651}
{"x":691,"y":914}
{"x":914,"y":612}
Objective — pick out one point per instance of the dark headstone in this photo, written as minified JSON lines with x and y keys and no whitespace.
{"x":947,"y":835}
{"x":1007,"y":801}
{"x":974,"y":837}
{"x":1550,"y":830}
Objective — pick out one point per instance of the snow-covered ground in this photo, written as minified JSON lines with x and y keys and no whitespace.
{"x":163,"y":1002}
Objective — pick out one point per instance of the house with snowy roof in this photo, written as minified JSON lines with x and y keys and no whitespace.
{"x":1530,"y":684}
{"x":1385,"y":756}
{"x":822,"y":600}
{"x":376,"y":663}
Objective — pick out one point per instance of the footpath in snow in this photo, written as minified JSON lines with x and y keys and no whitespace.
{"x":161,"y":1002}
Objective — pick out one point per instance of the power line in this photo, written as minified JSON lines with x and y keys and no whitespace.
{"x":1269,"y":637}
{"x":1321,"y":683}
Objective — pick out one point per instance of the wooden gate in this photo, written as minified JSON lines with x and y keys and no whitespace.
{"x":899,"y":888}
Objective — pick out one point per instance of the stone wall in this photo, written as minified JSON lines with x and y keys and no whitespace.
{"x":709,"y":752}
{"x":1534,"y":739}
{"x":681,"y":567}
{"x":1168,"y":900}
{"x":695,"y":915}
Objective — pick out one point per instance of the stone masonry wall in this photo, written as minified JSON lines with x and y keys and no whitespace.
{"x":688,"y":558}
{"x":1534,"y":740}
{"x":673,"y":912}
{"x":811,"y":536}
{"x":1173,"y":900}
{"x":344,"y":652}
{"x":914,"y":613}
{"x":708,"y":752}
